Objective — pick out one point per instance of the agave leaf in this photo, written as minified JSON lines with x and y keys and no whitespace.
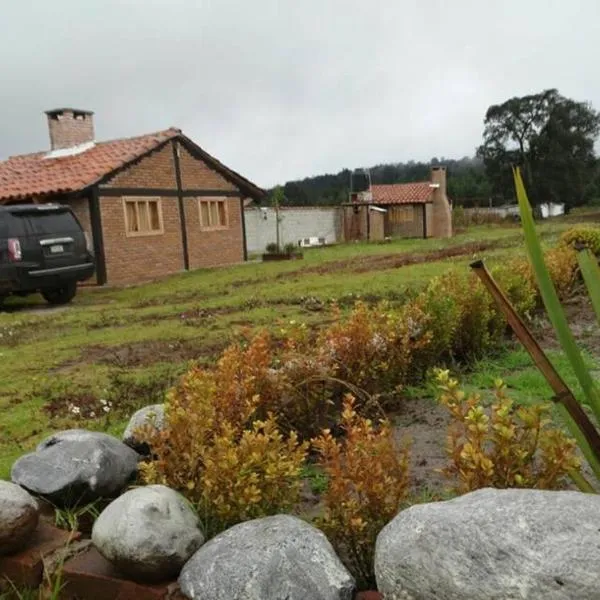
{"x":553,"y":306}
{"x":591,"y":275}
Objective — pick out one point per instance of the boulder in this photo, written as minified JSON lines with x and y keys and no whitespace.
{"x":148,"y":533}
{"x":269,"y":558}
{"x":76,"y":466}
{"x":152,"y":416}
{"x":19,"y":515}
{"x":493,"y":545}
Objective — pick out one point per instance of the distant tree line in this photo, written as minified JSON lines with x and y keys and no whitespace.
{"x":551,"y":137}
{"x":467,"y":182}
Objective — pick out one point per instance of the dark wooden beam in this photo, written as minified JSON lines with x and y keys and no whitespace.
{"x":425,"y":221}
{"x":97,"y":235}
{"x":167,"y":192}
{"x":184,"y":239}
{"x":245,"y":247}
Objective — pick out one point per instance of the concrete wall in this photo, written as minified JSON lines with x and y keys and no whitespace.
{"x":295,"y":223}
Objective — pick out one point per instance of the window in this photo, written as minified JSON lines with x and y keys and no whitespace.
{"x":213,"y":213}
{"x":143,"y":217}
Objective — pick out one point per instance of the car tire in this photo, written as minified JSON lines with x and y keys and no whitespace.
{"x":62,"y":295}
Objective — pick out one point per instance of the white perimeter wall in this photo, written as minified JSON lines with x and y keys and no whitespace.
{"x":295,"y":223}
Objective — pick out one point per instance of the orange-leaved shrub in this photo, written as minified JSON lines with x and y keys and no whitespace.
{"x":372,"y":349}
{"x":505,"y":446}
{"x":368,"y":478}
{"x":229,"y":464}
{"x":561,"y":262}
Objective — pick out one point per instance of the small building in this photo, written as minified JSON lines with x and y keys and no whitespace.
{"x":151,"y":205}
{"x":420,"y":209}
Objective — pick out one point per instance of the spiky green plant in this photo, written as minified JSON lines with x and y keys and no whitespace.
{"x":557,"y":316}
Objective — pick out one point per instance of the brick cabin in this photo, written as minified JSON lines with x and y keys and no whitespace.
{"x":420,"y":209}
{"x":151,"y":205}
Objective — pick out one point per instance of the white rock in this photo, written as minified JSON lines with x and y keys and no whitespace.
{"x":493,"y":545}
{"x":19,"y":515}
{"x":152,"y":416}
{"x":148,"y":533}
{"x":273,"y":558}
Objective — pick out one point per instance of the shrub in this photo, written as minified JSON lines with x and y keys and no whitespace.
{"x":517,"y":283}
{"x":309,"y":400}
{"x":368,"y":478}
{"x":442,"y":312}
{"x":562,"y":266}
{"x":272,"y":248}
{"x":588,"y":237}
{"x":229,"y":465}
{"x":520,"y":280}
{"x":254,"y":475}
{"x":509,"y":447}
{"x":290,"y":248}
{"x":460,"y":319}
{"x":373,"y":348}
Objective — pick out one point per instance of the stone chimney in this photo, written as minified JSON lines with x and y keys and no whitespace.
{"x":442,"y":215}
{"x":70,"y":127}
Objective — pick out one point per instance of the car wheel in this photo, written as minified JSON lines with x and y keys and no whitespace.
{"x":62,"y":295}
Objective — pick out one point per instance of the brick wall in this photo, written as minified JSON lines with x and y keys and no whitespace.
{"x":196,"y":174}
{"x":131,"y":259}
{"x":156,"y":170}
{"x":210,"y":248}
{"x":218,"y":247}
{"x":80,"y":207}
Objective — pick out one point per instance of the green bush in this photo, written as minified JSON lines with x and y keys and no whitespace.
{"x":588,"y":237}
{"x":290,"y":248}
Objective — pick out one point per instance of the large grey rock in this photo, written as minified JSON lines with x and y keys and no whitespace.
{"x":493,"y":545}
{"x":152,"y":416}
{"x":148,"y":533}
{"x":76,"y":466}
{"x":19,"y":515}
{"x":273,"y":558}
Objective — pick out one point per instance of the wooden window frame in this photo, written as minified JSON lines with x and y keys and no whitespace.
{"x":137,"y":200}
{"x":219,"y":201}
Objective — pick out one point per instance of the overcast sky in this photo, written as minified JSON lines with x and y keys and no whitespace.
{"x":285,"y":89}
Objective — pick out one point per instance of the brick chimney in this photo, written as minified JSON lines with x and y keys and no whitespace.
{"x":70,"y":127}
{"x":442,"y":216}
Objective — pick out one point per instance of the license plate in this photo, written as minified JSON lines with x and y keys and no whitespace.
{"x":57,"y":248}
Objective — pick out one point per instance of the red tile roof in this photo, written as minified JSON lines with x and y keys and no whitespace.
{"x":33,"y":174}
{"x":402,"y":193}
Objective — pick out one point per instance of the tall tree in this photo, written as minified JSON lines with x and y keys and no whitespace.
{"x":551,"y":137}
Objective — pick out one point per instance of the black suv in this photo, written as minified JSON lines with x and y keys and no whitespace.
{"x":42,"y":249}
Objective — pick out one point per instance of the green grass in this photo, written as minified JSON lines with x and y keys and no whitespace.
{"x":195,"y":315}
{"x":524,"y":381}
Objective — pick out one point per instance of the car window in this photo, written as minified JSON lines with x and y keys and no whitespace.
{"x":10,"y":226}
{"x":50,"y":223}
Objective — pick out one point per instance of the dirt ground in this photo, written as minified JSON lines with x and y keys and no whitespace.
{"x":367,"y":264}
{"x":424,"y":423}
